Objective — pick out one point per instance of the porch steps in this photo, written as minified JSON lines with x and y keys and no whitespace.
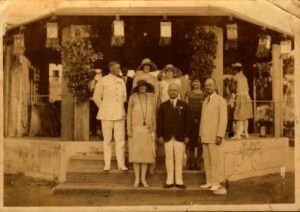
{"x":85,"y":175}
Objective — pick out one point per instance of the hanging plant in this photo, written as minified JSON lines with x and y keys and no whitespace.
{"x":79,"y":57}
{"x":263,"y":78}
{"x":204,"y":43}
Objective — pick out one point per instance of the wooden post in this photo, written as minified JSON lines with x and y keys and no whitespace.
{"x":277,"y":89}
{"x":6,"y":86}
{"x":67,"y":100}
{"x":218,"y":72}
{"x":2,"y":87}
{"x":82,"y":121}
{"x":296,"y":85}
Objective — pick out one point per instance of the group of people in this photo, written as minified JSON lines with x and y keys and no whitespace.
{"x":166,"y":111}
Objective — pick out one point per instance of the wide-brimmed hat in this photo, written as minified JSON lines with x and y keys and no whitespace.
{"x":147,"y":61}
{"x":177,"y":71}
{"x":150,"y":87}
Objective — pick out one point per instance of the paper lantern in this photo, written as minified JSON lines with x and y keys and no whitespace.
{"x":232,"y":31}
{"x":165,"y":33}
{"x":264,"y":46}
{"x":118,"y":33}
{"x":285,"y":46}
{"x":52,"y":30}
{"x":52,"y":41}
{"x":19,"y":44}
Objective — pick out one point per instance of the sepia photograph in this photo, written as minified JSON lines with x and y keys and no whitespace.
{"x":150,"y":105}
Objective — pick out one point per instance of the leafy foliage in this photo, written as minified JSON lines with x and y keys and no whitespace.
{"x":79,"y":57}
{"x":205,"y":44}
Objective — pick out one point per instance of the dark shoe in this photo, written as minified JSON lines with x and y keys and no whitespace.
{"x":168,"y":185}
{"x":181,"y":186}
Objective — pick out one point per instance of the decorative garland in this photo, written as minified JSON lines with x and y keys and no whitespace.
{"x":205,"y":48}
{"x":79,"y":56}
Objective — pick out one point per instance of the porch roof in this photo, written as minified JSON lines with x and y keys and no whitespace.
{"x":260,"y":12}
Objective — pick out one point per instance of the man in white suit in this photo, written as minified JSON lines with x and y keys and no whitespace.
{"x":212,"y":131}
{"x":109,"y":96}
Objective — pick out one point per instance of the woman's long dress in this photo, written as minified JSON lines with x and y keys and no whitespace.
{"x":195,"y":105}
{"x":243,"y":104}
{"x":141,"y":108}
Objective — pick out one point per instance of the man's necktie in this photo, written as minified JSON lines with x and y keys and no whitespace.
{"x":208,"y":99}
{"x":173,"y":103}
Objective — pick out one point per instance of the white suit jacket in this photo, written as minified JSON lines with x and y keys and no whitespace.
{"x":213,"y":119}
{"x":109,"y":96}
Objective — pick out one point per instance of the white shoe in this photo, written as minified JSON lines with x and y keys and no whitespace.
{"x":221,"y":191}
{"x":206,"y":186}
{"x":215,"y":187}
{"x":246,"y":135}
{"x":124,"y":168}
{"x":106,"y":168}
{"x":238,"y":137}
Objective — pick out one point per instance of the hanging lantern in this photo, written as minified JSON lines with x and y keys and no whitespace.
{"x":52,"y":41}
{"x":118,"y":35}
{"x":165,"y":33}
{"x":232,"y":36}
{"x":232,"y":31}
{"x":19,"y":44}
{"x":264,"y":46}
{"x":285,"y":46}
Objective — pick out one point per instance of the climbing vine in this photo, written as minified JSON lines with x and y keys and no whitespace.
{"x":204,"y":42}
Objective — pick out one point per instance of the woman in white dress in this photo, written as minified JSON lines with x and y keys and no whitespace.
{"x":169,"y":78}
{"x":243,"y":104}
{"x":141,"y":128}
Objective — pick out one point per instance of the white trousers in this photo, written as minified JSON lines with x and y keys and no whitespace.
{"x":174,"y":151}
{"x":213,"y":163}
{"x":118,"y":127}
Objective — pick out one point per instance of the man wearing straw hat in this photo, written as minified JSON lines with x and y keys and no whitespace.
{"x":109,"y":96}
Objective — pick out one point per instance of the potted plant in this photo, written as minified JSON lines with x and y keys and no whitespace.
{"x":263,"y":127}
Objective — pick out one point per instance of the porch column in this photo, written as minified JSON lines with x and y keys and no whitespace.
{"x":277,"y":89}
{"x":2,"y":87}
{"x":74,"y":115}
{"x":218,"y":72}
{"x":67,"y":100}
{"x":297,"y":83}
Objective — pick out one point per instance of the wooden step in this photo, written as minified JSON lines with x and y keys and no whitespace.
{"x":120,"y":177}
{"x":96,"y":161}
{"x":105,"y":188}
